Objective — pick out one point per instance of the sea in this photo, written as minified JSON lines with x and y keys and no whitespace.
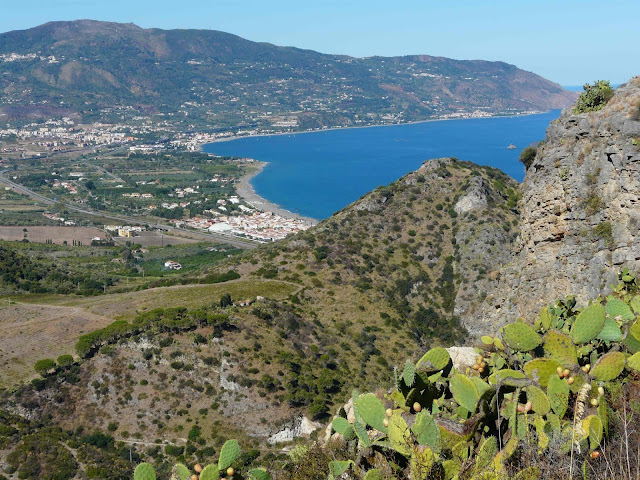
{"x":318,"y":173}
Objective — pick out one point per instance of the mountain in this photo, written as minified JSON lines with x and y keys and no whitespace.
{"x":204,"y":78}
{"x":450,"y":249}
{"x":580,"y":223}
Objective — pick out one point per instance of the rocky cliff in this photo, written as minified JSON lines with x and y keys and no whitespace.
{"x":580,"y":213}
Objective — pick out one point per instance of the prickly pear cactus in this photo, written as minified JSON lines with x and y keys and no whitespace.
{"x":609,"y":367}
{"x":588,"y":324}
{"x":210,"y":472}
{"x":228,"y":454}
{"x":144,"y":471}
{"x":520,"y":337}
{"x":538,"y":384}
{"x":180,"y":472}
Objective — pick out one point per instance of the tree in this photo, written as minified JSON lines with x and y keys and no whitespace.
{"x":90,"y":185}
{"x":225,"y":300}
{"x":65,"y":360}
{"x":527,"y":156}
{"x":42,"y":367}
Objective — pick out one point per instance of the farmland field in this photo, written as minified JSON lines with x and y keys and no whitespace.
{"x":40,"y":234}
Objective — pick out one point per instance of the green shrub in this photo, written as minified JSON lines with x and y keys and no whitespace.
{"x":594,"y":97}
{"x":527,"y":156}
{"x":43,"y":366}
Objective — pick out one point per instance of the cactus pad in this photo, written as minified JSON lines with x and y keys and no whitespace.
{"x":558,"y":394}
{"x":541,"y":369}
{"x":343,"y":427}
{"x":521,"y":337}
{"x":503,"y":374}
{"x":487,"y":451}
{"x":610,"y":331}
{"x":144,"y":471}
{"x":464,"y":392}
{"x":338,"y":467}
{"x":210,"y":472}
{"x":399,"y":435}
{"x":609,"y":366}
{"x":371,"y":410}
{"x":180,"y":472}
{"x":592,"y":425}
{"x":435,"y":359}
{"x":619,"y":310}
{"x":409,"y":373}
{"x":560,"y":348}
{"x":228,"y":454}
{"x":633,"y":362}
{"x":427,"y":431}
{"x":544,"y":318}
{"x":374,"y":474}
{"x":539,"y":401}
{"x":259,"y":474}
{"x":635,"y":304}
{"x":588,"y":324}
{"x":361,"y":432}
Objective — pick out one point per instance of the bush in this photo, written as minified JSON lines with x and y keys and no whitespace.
{"x":527,"y":156}
{"x":594,"y":97}
{"x":43,"y":366}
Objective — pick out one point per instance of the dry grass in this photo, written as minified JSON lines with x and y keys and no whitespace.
{"x":57,"y":234}
{"x":46,"y":326}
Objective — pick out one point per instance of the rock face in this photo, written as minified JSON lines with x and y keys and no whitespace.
{"x":580,"y":212}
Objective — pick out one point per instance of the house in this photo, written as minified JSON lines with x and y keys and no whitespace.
{"x":171,"y":265}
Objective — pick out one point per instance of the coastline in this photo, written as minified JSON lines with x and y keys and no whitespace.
{"x":245,"y":190}
{"x":231,"y":139}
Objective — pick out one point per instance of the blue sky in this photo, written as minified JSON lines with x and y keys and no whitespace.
{"x":567,"y":41}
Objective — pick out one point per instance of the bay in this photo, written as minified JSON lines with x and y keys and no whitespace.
{"x":318,"y":173}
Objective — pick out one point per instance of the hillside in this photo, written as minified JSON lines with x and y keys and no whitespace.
{"x":209,"y":79}
{"x":580,"y":222}
{"x":386,"y":276}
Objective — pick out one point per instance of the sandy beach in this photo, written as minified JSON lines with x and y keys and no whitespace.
{"x":246,"y":191}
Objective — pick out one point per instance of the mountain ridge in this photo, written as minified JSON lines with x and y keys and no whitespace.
{"x":218,"y":79}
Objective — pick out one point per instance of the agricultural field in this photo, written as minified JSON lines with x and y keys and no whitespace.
{"x":52,"y":234}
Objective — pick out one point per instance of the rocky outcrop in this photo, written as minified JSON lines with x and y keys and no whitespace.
{"x":580,"y":212}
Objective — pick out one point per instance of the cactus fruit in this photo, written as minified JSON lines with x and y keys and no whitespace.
{"x":228,"y":454}
{"x":541,"y":369}
{"x":144,"y":471}
{"x":427,"y":431}
{"x":371,"y":411}
{"x":610,"y":331}
{"x":558,"y":395}
{"x":435,"y":359}
{"x":464,"y":392}
{"x":560,"y":348}
{"x":520,"y":337}
{"x":588,"y":324}
{"x":609,"y":367}
{"x":619,"y":310}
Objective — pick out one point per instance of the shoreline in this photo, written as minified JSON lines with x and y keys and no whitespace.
{"x":231,"y":139}
{"x":245,"y":190}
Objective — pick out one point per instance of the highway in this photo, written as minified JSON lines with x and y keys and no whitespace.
{"x":238,"y":242}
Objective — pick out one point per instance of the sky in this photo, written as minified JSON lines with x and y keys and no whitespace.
{"x":568,"y":41}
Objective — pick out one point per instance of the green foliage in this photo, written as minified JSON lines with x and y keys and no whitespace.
{"x":594,"y":97}
{"x":42,"y":367}
{"x":540,"y":385}
{"x":527,"y":156}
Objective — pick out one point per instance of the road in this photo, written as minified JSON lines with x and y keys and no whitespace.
{"x":219,"y":237}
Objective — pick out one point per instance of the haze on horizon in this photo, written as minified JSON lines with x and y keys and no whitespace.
{"x":567,"y":42}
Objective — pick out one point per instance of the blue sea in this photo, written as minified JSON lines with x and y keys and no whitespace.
{"x":316,"y":174}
